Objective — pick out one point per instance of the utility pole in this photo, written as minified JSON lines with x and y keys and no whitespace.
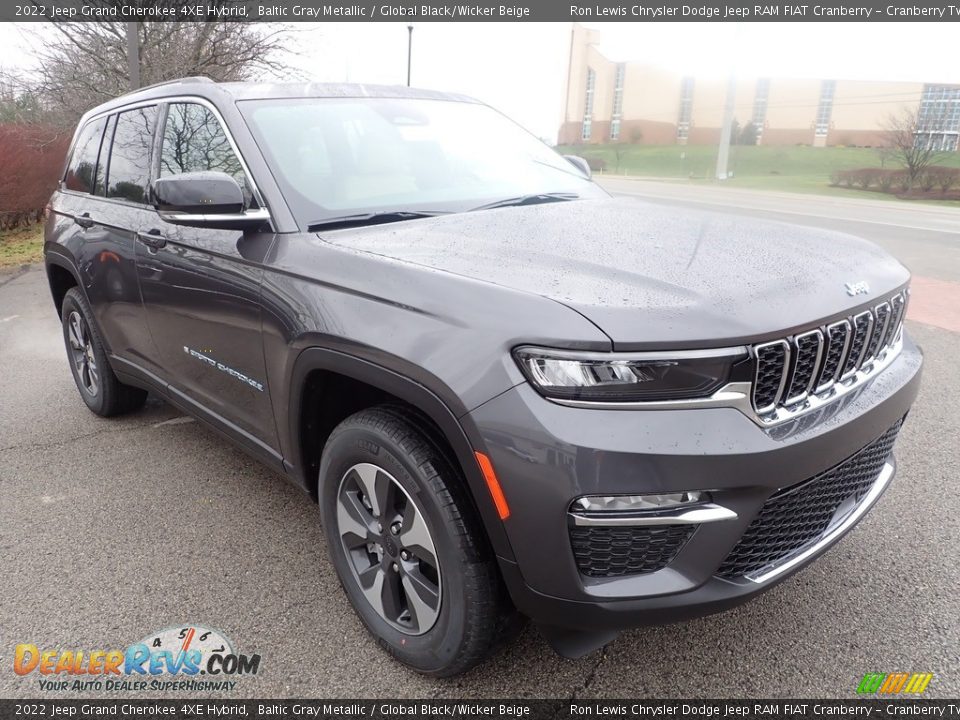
{"x":723,"y":154}
{"x":409,"y":51}
{"x":133,"y":55}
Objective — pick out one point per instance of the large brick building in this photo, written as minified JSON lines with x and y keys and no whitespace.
{"x":610,"y":101}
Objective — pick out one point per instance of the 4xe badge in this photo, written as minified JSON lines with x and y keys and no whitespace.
{"x":186,"y":657}
{"x":857,"y":288}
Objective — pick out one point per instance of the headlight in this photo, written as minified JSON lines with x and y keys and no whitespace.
{"x":627,"y":377}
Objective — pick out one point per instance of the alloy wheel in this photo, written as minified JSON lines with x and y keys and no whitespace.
{"x":389,"y":548}
{"x":81,"y":352}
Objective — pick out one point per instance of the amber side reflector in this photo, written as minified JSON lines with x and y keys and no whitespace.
{"x":493,"y":485}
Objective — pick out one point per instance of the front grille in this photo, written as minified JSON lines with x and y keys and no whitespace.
{"x":787,"y":371}
{"x":798,"y":516}
{"x":617,"y":551}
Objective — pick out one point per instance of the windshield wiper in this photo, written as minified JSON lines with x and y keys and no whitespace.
{"x":533,"y":199}
{"x":372,"y":218}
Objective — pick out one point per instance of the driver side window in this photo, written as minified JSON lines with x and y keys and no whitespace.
{"x":194,"y":141}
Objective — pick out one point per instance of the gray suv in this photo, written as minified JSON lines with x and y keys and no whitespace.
{"x":511,"y":394}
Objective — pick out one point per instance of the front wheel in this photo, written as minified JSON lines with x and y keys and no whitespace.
{"x":406,"y":545}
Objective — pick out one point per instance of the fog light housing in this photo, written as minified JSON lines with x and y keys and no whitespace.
{"x":628,"y":503}
{"x":687,"y":507}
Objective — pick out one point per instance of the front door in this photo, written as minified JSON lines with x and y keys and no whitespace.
{"x":201,"y":290}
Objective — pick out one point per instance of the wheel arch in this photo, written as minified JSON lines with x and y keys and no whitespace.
{"x":61,"y":276}
{"x":371,"y":384}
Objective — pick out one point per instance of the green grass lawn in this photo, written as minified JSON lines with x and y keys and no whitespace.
{"x":787,"y":169}
{"x":21,"y":246}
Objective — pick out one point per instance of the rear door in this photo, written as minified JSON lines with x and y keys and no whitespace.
{"x":103,"y":193}
{"x":201,"y":288}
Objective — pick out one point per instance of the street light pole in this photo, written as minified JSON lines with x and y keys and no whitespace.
{"x":409,"y":51}
{"x":723,"y":154}
{"x":133,"y":55}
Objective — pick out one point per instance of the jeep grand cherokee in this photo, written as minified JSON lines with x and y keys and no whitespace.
{"x":511,"y":394}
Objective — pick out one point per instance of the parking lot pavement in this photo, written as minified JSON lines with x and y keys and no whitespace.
{"x":112,"y":529}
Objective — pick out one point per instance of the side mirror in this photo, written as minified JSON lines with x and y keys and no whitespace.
{"x":580,"y":164}
{"x":208,"y":199}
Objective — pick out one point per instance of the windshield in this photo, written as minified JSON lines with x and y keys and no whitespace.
{"x":335,"y":157}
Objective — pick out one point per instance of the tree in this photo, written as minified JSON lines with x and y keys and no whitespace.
{"x":735,"y":132}
{"x":910,"y":141}
{"x":748,"y":136}
{"x":80,"y":65}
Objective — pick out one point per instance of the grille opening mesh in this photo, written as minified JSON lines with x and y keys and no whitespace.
{"x":618,"y":551}
{"x":798,"y":516}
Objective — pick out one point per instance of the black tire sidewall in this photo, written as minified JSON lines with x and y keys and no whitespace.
{"x":74,"y":302}
{"x":439,"y":646}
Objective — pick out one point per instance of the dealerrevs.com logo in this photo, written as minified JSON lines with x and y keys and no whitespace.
{"x":187,"y":657}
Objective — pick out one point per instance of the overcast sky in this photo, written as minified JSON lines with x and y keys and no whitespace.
{"x":520,"y":67}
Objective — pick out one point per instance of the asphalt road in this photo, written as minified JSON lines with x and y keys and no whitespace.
{"x":112,"y":529}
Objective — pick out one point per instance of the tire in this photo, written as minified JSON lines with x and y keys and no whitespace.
{"x":99,"y":387}
{"x":452,"y":563}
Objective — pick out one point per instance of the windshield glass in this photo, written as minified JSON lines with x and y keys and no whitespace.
{"x":340,"y":156}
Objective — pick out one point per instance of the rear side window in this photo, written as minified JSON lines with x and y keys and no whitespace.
{"x":129,"y":170}
{"x":82,"y":172}
{"x":194,"y":141}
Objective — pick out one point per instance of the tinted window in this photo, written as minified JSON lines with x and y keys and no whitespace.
{"x":81,"y":175}
{"x":194,"y":141}
{"x":129,"y":170}
{"x":100,"y":186}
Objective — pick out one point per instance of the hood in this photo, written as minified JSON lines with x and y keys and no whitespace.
{"x":649,"y":275}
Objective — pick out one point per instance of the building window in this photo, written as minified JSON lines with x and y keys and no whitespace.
{"x":760,"y":99}
{"x":686,"y":108}
{"x":938,"y":121}
{"x":825,"y":108}
{"x":617,"y":115}
{"x":588,"y":105}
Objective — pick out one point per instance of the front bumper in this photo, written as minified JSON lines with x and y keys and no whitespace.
{"x":546,"y":455}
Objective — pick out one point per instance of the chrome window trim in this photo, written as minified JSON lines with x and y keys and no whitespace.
{"x":783,"y":377}
{"x":824,"y":386}
{"x":816,"y":365}
{"x":261,"y":214}
{"x":196,"y":99}
{"x":832,"y":534}
{"x":705,"y":513}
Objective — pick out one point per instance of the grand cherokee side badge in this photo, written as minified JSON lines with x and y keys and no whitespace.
{"x":858,"y":288}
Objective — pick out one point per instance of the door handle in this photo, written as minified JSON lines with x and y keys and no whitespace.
{"x":153,"y":239}
{"x":84,"y":220}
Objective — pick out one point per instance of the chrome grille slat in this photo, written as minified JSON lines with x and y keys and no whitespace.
{"x":788,"y":372}
{"x":837,"y":345}
{"x":881,"y":317}
{"x":772,"y":364}
{"x":807,"y":352}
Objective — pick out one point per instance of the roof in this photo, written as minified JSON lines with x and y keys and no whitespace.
{"x":234,"y":91}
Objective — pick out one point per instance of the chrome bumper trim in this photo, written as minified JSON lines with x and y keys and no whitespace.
{"x":706,"y":513}
{"x":788,"y":563}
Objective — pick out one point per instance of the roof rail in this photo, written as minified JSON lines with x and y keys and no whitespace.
{"x":193,"y":78}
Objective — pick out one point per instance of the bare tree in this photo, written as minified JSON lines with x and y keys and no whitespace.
{"x":80,"y":65}
{"x":911,"y":140}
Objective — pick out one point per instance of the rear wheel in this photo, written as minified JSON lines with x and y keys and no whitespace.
{"x":100,"y":389}
{"x":406,"y":545}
